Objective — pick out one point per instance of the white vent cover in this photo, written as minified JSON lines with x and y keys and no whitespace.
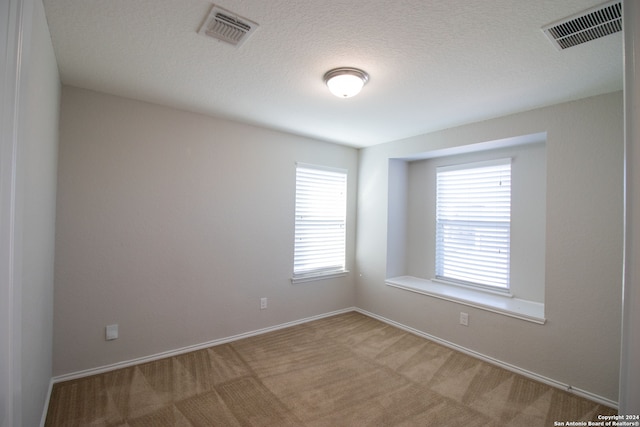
{"x":589,"y":25}
{"x":227,"y":26}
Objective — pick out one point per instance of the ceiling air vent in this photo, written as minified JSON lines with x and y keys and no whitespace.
{"x":589,"y":25}
{"x":227,"y":26}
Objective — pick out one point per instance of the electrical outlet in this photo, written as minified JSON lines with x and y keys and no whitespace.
{"x":464,"y":318}
{"x":263,"y":303}
{"x":111,"y":332}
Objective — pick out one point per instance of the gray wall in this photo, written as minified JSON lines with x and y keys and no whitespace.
{"x":37,"y":169}
{"x":580,"y":343}
{"x":174,"y":225}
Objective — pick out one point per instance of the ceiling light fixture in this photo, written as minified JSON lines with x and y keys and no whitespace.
{"x":345,"y":82}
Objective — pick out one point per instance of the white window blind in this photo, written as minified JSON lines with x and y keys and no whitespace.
{"x":320,"y":221}
{"x":473,"y":217}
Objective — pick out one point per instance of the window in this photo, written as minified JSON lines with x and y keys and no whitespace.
{"x":473,"y":222}
{"x":320,"y":222}
{"x":412,"y":227}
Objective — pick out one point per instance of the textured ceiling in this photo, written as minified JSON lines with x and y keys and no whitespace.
{"x":433,"y":64}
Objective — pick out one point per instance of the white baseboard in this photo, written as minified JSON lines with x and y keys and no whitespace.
{"x":509,"y":367}
{"x":532,"y":375}
{"x":179,"y":351}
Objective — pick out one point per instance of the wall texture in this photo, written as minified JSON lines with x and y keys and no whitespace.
{"x":37,"y":168}
{"x":580,"y":343}
{"x":173,"y":225}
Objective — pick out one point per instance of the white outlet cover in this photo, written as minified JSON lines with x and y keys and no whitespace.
{"x":464,"y":319}
{"x":111,"y":332}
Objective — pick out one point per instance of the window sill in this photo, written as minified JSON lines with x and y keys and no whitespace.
{"x":514,"y":307}
{"x":318,"y":276}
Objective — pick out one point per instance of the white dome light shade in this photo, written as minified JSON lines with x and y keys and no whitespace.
{"x":345,"y":82}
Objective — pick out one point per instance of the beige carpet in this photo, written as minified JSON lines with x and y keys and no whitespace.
{"x":345,"y":370}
